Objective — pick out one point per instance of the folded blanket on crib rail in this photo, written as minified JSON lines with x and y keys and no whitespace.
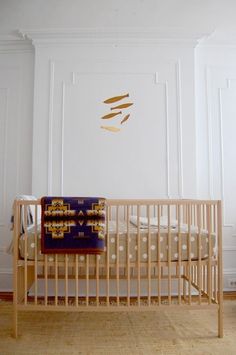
{"x":73,"y":225}
{"x":143,"y":222}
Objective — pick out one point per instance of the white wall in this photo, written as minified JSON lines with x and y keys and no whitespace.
{"x":216,"y":147}
{"x":16,"y":102}
{"x":154,"y":153}
{"x":117,"y":49}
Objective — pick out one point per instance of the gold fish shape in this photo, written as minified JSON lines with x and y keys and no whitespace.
{"x":125,"y":118}
{"x":111,"y":115}
{"x":115,"y":98}
{"x":122,"y":106}
{"x":111,"y":128}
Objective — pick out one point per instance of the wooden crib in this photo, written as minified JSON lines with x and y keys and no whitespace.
{"x":159,"y":254}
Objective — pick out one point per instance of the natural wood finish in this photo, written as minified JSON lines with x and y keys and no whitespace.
{"x":8,"y":296}
{"x":107,"y":258}
{"x":204,"y":274}
{"x":220,"y":271}
{"x":117,"y":258}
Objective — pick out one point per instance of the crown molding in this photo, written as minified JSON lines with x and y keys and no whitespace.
{"x":219,"y":38}
{"x":12,"y":42}
{"x":112,"y":36}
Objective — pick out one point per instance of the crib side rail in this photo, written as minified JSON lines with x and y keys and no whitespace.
{"x":200,"y":217}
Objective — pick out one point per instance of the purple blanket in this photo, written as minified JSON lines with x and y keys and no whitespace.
{"x":73,"y":225}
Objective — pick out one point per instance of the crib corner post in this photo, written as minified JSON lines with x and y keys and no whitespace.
{"x":15,"y":269}
{"x":220,"y":271}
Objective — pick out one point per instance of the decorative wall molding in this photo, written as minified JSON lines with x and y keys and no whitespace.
{"x":119,"y":36}
{"x":208,"y":81}
{"x":74,"y":81}
{"x":13,"y":43}
{"x":180,"y":136}
{"x":62,"y":131}
{"x":3,"y":143}
{"x":50,"y":124}
{"x":220,"y":39}
{"x":227,"y":87}
{"x":165,"y":84}
{"x":229,"y":248}
{"x":20,"y":77}
{"x":229,"y":271}
{"x":209,"y":132}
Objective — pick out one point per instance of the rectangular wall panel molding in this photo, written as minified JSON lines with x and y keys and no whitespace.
{"x":3,"y":158}
{"x":148,"y":156}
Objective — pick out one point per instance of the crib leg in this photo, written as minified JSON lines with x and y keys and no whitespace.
{"x":220,"y":321}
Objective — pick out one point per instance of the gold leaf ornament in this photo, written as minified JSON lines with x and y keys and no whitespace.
{"x":125,"y":118}
{"x":122,"y":106}
{"x":111,"y":115}
{"x":115,"y":99}
{"x":111,"y":128}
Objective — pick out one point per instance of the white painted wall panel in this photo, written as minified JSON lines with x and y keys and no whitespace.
{"x":216,"y":109}
{"x":3,"y":124}
{"x":162,"y":151}
{"x":122,"y":164}
{"x":16,"y":79}
{"x":147,"y":158}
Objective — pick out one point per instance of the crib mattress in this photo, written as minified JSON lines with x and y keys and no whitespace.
{"x":118,"y":245}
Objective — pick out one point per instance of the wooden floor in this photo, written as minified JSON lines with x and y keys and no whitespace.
{"x":190,"y":332}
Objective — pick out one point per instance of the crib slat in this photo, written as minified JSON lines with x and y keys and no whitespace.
{"x":179,"y":252}
{"x":215,"y":281}
{"x":56,"y":279}
{"x":97,"y":280}
{"x":159,"y":253}
{"x":184,"y":283}
{"x":117,"y":258}
{"x":46,"y":280}
{"x":214,"y":219}
{"x":169,"y":256}
{"x":35,"y":256}
{"x":204,"y":278}
{"x":66,"y":279}
{"x":138,"y":253}
{"x":220,"y":270}
{"x":108,"y":257}
{"x":189,"y":214}
{"x":209,"y":268}
{"x":149,"y":256}
{"x":87,"y":279}
{"x":25,"y":255}
{"x":76,"y":280}
{"x":16,"y":275}
{"x":128,"y":256}
{"x":199,"y":276}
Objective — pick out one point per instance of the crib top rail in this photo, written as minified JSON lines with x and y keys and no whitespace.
{"x":139,"y":202}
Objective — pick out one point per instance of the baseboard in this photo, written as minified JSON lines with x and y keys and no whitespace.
{"x":229,"y":275}
{"x":229,"y":280}
{"x":8,"y":296}
{"x":230,"y":295}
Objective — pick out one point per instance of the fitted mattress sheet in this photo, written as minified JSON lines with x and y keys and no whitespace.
{"x":123,"y":237}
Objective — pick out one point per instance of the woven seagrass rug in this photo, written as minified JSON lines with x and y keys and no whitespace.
{"x":182,"y":333}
